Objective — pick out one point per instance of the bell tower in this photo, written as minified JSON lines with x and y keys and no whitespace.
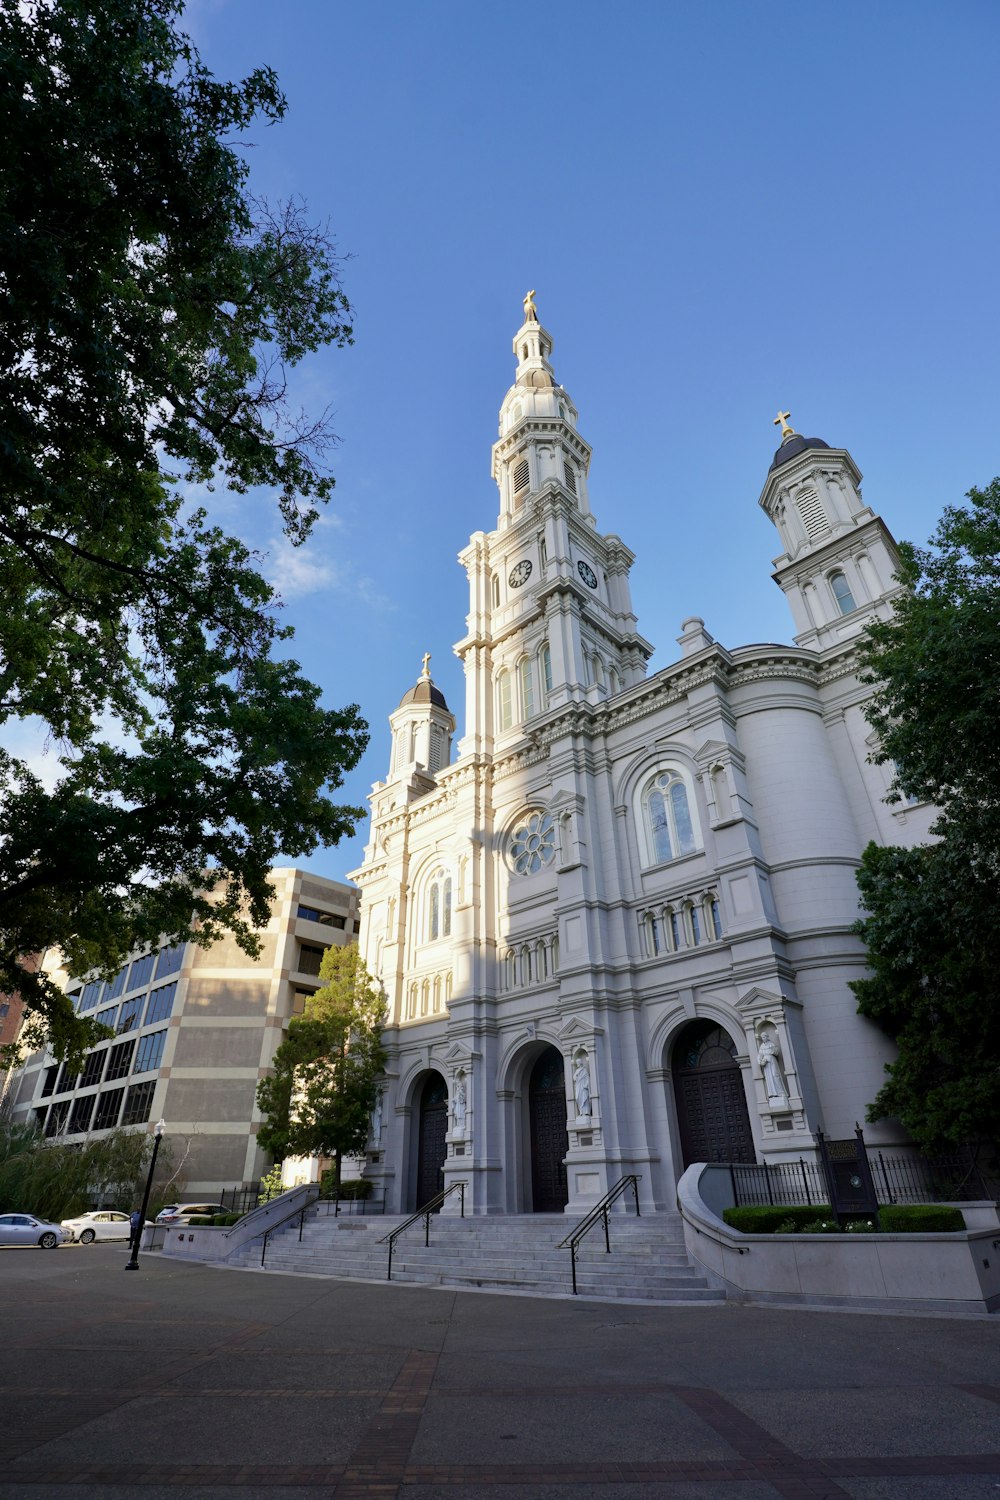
{"x":840,"y":560}
{"x":550,"y":619}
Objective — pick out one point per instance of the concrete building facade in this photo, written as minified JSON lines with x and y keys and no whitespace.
{"x":195,"y":1030}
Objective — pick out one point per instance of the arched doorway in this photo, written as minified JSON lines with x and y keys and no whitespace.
{"x":432,"y":1146}
{"x":549,"y":1141}
{"x":711,"y":1102}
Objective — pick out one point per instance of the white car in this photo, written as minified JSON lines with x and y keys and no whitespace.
{"x":26,"y":1229}
{"x":99,"y":1224}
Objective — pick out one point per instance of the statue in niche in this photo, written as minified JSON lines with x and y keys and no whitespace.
{"x":581,"y":1085}
{"x":770,"y":1069}
{"x":458,"y":1104}
{"x":377,"y":1118}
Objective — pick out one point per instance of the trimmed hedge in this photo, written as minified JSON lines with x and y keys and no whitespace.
{"x":765,"y":1219}
{"x":900,"y":1218}
{"x":226,"y":1221}
{"x":920,"y":1218}
{"x":199,"y":1221}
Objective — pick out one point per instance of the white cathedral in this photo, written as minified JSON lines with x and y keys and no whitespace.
{"x":614,"y":923}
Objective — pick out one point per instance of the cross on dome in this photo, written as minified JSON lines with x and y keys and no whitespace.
{"x":782,"y":420}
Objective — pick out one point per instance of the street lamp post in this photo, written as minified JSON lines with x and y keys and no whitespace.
{"x":132,"y":1264}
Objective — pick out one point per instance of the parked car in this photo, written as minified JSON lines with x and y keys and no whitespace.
{"x":99,"y":1224}
{"x":183,"y":1213}
{"x":26,"y":1229}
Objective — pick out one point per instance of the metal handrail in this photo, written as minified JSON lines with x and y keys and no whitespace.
{"x":600,"y":1211}
{"x":309,"y":1203}
{"x":421,"y":1213}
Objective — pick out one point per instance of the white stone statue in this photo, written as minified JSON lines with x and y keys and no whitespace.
{"x":770,"y":1069}
{"x":377,"y":1118}
{"x":581,"y":1085}
{"x":458,"y":1102}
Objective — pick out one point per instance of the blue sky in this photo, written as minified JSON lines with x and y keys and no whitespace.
{"x":723,"y":208}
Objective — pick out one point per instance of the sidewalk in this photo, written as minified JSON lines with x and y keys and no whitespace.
{"x":191,"y":1382}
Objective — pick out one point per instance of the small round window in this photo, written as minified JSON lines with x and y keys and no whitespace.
{"x":533,"y":843}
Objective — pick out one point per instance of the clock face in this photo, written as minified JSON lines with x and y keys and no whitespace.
{"x":520,"y":573}
{"x":587,"y":573}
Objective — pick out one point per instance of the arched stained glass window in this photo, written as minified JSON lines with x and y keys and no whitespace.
{"x":668,"y":817}
{"x":439,"y":906}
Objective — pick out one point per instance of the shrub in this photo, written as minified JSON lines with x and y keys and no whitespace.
{"x":920,"y":1218}
{"x":225,"y":1221}
{"x":352,"y":1187}
{"x":200,"y":1221}
{"x":773,"y":1219}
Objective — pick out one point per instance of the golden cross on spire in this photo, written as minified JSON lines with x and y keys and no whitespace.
{"x":782,"y":420}
{"x":530,"y":310}
{"x":427,"y":665}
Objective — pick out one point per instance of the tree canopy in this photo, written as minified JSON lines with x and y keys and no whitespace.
{"x":153,"y":310}
{"x":934,"y":911}
{"x":319,"y":1099}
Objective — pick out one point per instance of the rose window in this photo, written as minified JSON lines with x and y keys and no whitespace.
{"x":533,"y":843}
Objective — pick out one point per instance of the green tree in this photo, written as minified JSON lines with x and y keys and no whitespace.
{"x":319,"y":1099}
{"x":53,"y":1180}
{"x":153,"y":312}
{"x":934,"y":911}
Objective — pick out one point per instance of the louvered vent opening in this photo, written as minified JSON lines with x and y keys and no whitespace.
{"x":570,"y":474}
{"x":521,"y":476}
{"x":811,"y":511}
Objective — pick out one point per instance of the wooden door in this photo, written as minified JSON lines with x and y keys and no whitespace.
{"x":549,"y":1140}
{"x":711,"y":1101}
{"x":432,"y":1146}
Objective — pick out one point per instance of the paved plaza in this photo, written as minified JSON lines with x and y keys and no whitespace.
{"x":191,"y":1382}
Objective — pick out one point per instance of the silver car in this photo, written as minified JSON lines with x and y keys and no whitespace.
{"x":99,"y":1224}
{"x":25,"y":1229}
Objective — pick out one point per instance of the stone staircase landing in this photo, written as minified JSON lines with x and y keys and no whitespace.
{"x":503,"y":1253}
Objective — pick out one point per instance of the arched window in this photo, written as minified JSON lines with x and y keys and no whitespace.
{"x":411,"y":1009}
{"x":437,"y":993}
{"x":694,"y":922}
{"x":614,"y":682}
{"x":439,"y":906}
{"x":555,"y":954}
{"x":545,"y":670}
{"x":842,"y":593}
{"x":425,"y":996}
{"x":504,"y":714}
{"x":713,"y":916}
{"x":525,"y":965}
{"x":667,"y":813}
{"x":527,"y":688}
{"x":510,"y":970}
{"x":541,"y":967}
{"x":496,"y":592}
{"x":652,"y":927}
{"x":447,"y":988}
{"x":597,"y":668}
{"x":674,"y":923}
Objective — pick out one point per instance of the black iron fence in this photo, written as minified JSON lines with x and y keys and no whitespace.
{"x":240,"y":1200}
{"x":898,"y":1179}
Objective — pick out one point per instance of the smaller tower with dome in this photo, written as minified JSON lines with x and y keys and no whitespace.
{"x":840,"y":560}
{"x":422,"y":727}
